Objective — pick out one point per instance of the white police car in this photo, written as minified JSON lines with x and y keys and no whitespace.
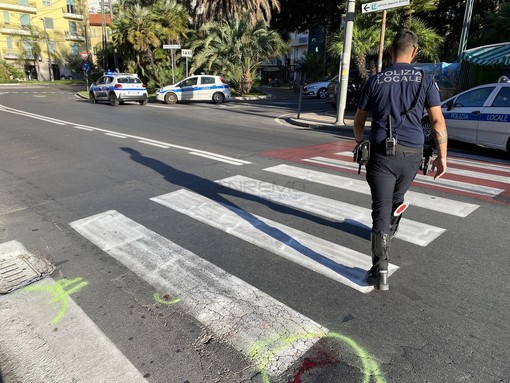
{"x":195,"y":88}
{"x":480,"y":115}
{"x":118,"y":88}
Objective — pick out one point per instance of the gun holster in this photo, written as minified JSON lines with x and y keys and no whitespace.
{"x":361,"y":154}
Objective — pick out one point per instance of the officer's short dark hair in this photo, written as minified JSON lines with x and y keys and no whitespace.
{"x":404,"y":41}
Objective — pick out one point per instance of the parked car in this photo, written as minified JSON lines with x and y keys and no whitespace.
{"x":353,"y":92}
{"x":317,"y":89}
{"x":118,"y":88}
{"x":195,"y":88}
{"x":480,"y":115}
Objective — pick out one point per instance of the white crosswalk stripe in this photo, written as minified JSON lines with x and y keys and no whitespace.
{"x":443,"y":182}
{"x":337,"y":262}
{"x":430,"y":202}
{"x":409,"y":231}
{"x":251,"y":321}
{"x":469,"y":173}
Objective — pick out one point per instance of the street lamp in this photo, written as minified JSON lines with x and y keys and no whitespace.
{"x":48,"y":50}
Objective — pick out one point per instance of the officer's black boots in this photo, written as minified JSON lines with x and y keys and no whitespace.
{"x":396,"y":216}
{"x":378,"y":274}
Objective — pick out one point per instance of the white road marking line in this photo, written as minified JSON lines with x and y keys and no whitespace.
{"x":439,"y":204}
{"x":115,"y":135}
{"x":219,"y":158}
{"x":110,"y":132}
{"x":428,"y":180}
{"x":337,"y":262}
{"x":153,"y":144}
{"x":235,"y":311}
{"x":83,"y":128}
{"x":478,"y":164}
{"x":32,"y":351}
{"x":410,"y":231}
{"x":469,"y":173}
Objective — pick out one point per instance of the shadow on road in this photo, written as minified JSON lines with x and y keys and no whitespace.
{"x":218,"y":193}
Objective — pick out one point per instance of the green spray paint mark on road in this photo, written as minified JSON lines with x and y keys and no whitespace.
{"x":60,"y":294}
{"x":165,"y":300}
{"x":369,"y":366}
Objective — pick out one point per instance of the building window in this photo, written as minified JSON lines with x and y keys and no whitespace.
{"x":46,"y":3}
{"x":70,"y":6}
{"x":48,"y":23}
{"x":6,"y":17}
{"x":75,"y":49}
{"x":24,"y":20}
{"x":73,"y":30}
{"x":23,"y":3}
{"x":27,"y":47}
{"x":9,"y":42}
{"x":52,"y":46}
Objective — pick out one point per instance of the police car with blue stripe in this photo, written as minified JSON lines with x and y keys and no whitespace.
{"x":480,"y":115}
{"x":196,"y":88}
{"x":118,"y":88}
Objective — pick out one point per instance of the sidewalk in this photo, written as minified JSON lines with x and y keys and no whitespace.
{"x":324,"y":120}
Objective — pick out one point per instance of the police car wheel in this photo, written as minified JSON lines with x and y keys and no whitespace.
{"x":114,"y":101}
{"x":92,"y":99}
{"x":144,"y":102}
{"x":218,"y":97}
{"x":508,"y":148}
{"x":170,"y":98}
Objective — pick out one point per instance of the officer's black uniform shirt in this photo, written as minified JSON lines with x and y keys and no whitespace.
{"x":392,"y":92}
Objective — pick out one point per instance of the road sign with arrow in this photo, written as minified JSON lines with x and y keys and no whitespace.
{"x":382,"y":5}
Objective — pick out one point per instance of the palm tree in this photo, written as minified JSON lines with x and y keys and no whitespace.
{"x":223,"y":10}
{"x":235,"y":49}
{"x":366,"y":35}
{"x":141,"y":31}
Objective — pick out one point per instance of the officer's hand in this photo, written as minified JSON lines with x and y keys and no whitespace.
{"x":439,"y":166}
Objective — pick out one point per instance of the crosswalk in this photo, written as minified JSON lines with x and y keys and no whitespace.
{"x":249,"y":320}
{"x":473,"y":176}
{"x":238,"y":313}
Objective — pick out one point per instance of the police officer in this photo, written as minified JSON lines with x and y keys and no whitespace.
{"x":396,"y":98}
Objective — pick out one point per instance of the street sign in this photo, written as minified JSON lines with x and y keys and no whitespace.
{"x":382,"y":5}
{"x":86,"y":67}
{"x":186,"y":53}
{"x":85,"y":55}
{"x":172,"y":46}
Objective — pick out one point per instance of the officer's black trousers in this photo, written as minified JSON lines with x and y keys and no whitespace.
{"x":389,"y":178}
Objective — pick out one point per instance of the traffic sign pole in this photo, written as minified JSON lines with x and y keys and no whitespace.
{"x":172,"y":47}
{"x":381,"y":43}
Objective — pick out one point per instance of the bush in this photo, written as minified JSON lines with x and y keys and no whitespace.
{"x":9,"y":72}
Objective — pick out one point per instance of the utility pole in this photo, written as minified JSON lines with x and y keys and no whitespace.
{"x":465,"y":27}
{"x":343,"y":74}
{"x":47,"y":50}
{"x":103,"y":31}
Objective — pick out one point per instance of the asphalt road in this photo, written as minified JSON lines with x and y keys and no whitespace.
{"x":164,"y":273}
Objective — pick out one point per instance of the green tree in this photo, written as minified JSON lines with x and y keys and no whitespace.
{"x":497,"y":29}
{"x":366,"y":38}
{"x":140,"y":32}
{"x":235,"y":49}
{"x":205,"y":11}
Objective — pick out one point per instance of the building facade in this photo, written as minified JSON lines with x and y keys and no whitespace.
{"x":43,"y":37}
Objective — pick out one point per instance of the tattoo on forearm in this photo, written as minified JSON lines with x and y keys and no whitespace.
{"x":441,"y":136}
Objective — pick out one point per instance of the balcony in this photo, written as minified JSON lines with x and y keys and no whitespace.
{"x":9,"y":29}
{"x":15,"y":54}
{"x":14,"y":5}
{"x":73,"y":36}
{"x":71,"y":12}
